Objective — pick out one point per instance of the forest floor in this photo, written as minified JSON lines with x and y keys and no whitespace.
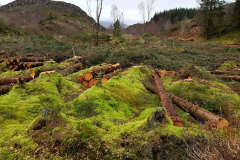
{"x":110,"y":121}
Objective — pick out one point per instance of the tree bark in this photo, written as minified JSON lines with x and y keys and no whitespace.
{"x":32,"y":59}
{"x":71,"y":69}
{"x":167,"y":104}
{"x":199,"y":112}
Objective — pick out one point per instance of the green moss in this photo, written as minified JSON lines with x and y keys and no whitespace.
{"x":227,"y":65}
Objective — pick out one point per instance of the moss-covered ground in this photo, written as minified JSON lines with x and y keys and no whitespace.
{"x":109,"y":121}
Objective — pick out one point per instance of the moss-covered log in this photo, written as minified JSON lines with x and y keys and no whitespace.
{"x":71,"y":69}
{"x":199,"y":112}
{"x":167,"y":104}
{"x":5,"y":88}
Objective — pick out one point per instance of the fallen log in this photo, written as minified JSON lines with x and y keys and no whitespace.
{"x":32,"y":59}
{"x":87,"y":76}
{"x":199,"y":112}
{"x":105,"y":69}
{"x":2,"y":60}
{"x":80,"y":79}
{"x":225,"y":72}
{"x":9,"y":80}
{"x":167,"y":104}
{"x":110,"y":75}
{"x":5,"y":88}
{"x":71,"y":69}
{"x":236,"y":78}
{"x":80,"y":59}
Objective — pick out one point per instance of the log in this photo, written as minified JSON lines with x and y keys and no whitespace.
{"x":85,"y":83}
{"x":225,"y":72}
{"x":80,"y":79}
{"x":80,"y":59}
{"x":92,"y":82}
{"x":71,"y":69}
{"x":236,"y":78}
{"x":87,"y":76}
{"x":33,"y":59}
{"x":5,"y":88}
{"x":199,"y":112}
{"x":9,"y":80}
{"x":161,"y":73}
{"x":106,"y":69}
{"x":31,"y":64}
{"x":167,"y":104}
{"x":110,"y":75}
{"x":2,"y":60}
{"x":103,"y":80}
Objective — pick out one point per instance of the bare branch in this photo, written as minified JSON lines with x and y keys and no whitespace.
{"x":150,"y":8}
{"x":142,"y":12}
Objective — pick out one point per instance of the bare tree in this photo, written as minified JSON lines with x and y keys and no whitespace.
{"x":114,"y":12}
{"x":98,"y":14}
{"x":142,"y":12}
{"x":150,"y":8}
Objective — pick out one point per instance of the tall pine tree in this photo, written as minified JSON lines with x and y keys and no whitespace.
{"x":210,"y":16}
{"x":117,"y":29}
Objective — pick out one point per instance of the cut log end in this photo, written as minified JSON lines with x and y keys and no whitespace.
{"x":85,"y":83}
{"x":178,"y":124}
{"x":223,"y":123}
{"x":80,"y":79}
{"x":87,"y":76}
{"x":103,"y":80}
{"x":92,"y":82}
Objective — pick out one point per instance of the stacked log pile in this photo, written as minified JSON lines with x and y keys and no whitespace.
{"x":88,"y":79}
{"x":19,"y":64}
{"x":6,"y":84}
{"x":228,"y":75}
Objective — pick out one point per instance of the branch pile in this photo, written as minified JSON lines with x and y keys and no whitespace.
{"x":19,"y":64}
{"x":88,"y":79}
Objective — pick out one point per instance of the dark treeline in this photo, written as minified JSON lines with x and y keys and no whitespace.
{"x":175,"y":15}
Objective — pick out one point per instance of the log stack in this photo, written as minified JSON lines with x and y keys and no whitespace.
{"x":88,"y":79}
{"x":19,"y":64}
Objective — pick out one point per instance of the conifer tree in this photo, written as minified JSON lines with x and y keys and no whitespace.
{"x":117,"y":29}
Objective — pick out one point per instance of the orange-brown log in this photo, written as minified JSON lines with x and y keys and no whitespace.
{"x":236,"y":78}
{"x":33,"y":59}
{"x":103,"y":80}
{"x":92,"y":82}
{"x":110,"y":75}
{"x":85,"y":83}
{"x":199,"y":112}
{"x":10,"y":66}
{"x":105,"y":69}
{"x":225,"y":72}
{"x":167,"y":104}
{"x":80,"y":78}
{"x":32,"y":64}
{"x":79,"y":59}
{"x":87,"y":76}
{"x":5,"y":88}
{"x":72,"y":69}
{"x":161,"y":73}
{"x":9,"y":80}
{"x":5,"y":64}
{"x":29,"y":65}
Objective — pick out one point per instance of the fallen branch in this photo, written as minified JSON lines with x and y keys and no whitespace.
{"x":9,"y":80}
{"x":199,"y":112}
{"x":167,"y":104}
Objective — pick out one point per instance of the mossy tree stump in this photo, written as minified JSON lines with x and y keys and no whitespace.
{"x":157,"y":118}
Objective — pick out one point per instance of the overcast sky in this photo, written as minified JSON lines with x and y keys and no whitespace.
{"x":129,"y":7}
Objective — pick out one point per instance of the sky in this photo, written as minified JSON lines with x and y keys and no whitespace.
{"x":128,"y":7}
